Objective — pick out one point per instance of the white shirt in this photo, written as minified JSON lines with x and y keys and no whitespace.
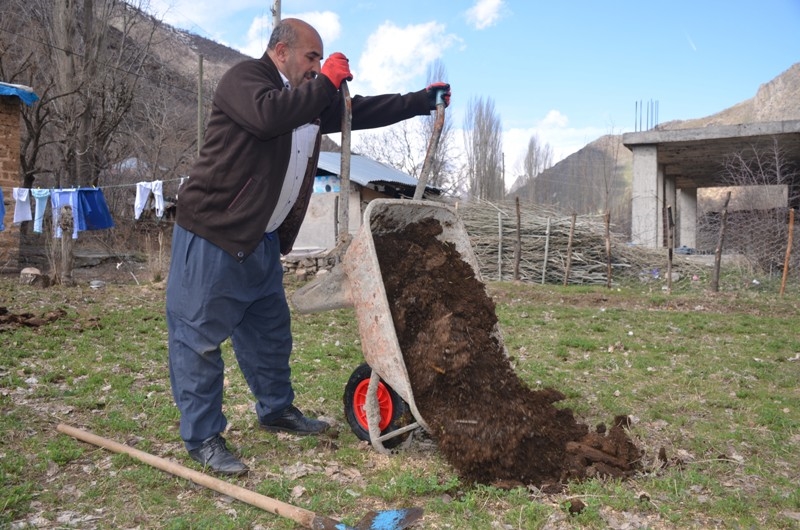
{"x":304,"y":138}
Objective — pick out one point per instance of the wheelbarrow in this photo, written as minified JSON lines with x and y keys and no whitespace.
{"x":378,"y":397}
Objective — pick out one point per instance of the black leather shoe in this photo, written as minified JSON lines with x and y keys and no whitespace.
{"x":292,"y":421}
{"x":214,"y":455}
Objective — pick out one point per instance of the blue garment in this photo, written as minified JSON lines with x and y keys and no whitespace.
{"x":89,"y":209}
{"x":96,"y":215}
{"x":211,"y":296}
{"x":40,"y":196}
{"x":2,"y":211}
{"x":67,"y":197}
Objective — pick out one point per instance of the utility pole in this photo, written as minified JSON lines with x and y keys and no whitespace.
{"x":200,"y":103}
{"x":276,"y":13}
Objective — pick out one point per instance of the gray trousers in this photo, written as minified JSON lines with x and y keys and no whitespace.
{"x":211,"y":297}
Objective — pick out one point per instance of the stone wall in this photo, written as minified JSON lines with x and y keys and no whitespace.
{"x":304,"y":268}
{"x":9,"y":178}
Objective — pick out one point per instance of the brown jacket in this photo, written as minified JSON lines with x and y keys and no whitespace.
{"x":235,"y":184}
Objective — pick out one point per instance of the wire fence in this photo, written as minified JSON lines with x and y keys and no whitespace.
{"x":763,"y":242}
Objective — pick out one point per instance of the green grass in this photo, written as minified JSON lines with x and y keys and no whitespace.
{"x":710,"y":378}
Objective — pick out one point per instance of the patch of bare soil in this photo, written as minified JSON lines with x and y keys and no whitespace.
{"x":10,"y":320}
{"x":489,"y":425}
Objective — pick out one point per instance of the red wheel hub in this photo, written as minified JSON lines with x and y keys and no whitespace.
{"x":384,"y":404}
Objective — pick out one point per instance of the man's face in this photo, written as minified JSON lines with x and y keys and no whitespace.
{"x":301,"y":62}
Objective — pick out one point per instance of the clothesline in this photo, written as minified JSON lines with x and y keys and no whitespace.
{"x":181,"y":179}
{"x":89,"y":208}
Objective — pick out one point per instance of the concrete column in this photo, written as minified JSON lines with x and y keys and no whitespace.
{"x":645,"y":197}
{"x":687,"y":217}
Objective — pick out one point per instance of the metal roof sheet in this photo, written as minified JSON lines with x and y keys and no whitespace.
{"x":364,"y":170}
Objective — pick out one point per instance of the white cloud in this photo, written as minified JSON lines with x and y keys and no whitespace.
{"x":199,"y":16}
{"x":257,"y":36}
{"x":485,"y":13}
{"x":325,"y":22}
{"x":395,"y":56}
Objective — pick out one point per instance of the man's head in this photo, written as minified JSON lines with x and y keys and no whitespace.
{"x":296,"y":49}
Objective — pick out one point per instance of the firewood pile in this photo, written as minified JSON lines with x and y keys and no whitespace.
{"x":545,"y":246}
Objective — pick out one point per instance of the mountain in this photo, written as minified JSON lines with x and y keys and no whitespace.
{"x":573,"y":182}
{"x":777,"y":100}
{"x":584,"y":182}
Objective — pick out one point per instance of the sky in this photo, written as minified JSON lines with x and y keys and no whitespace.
{"x":567,"y":71}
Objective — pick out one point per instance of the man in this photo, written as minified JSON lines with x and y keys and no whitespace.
{"x":240,"y":210}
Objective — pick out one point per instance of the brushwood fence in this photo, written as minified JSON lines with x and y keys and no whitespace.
{"x":532,"y":244}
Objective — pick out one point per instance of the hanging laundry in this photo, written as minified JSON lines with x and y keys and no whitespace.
{"x":96,"y":215}
{"x":67,"y":197}
{"x":143,"y":190}
{"x":142,"y":194}
{"x":41,"y":199}
{"x":22,"y":204}
{"x":2,"y":211}
{"x":158,"y":195}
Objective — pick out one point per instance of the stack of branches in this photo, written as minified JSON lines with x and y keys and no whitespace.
{"x":545,"y":246}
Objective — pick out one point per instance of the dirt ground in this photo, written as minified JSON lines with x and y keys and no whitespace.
{"x":487,"y":423}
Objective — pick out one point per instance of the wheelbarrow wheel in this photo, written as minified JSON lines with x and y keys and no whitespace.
{"x":394,"y":411}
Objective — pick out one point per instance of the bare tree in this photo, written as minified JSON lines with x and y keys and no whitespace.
{"x":21,"y":63}
{"x":538,"y":157}
{"x":762,"y":180}
{"x":403,"y":145}
{"x":82,"y":57}
{"x":484,"y":150}
{"x":444,"y":169}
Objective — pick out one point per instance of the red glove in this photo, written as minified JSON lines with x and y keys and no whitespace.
{"x":434,"y":89}
{"x":337,"y":69}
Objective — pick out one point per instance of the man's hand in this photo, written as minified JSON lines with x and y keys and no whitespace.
{"x":337,"y":69}
{"x":434,"y":89}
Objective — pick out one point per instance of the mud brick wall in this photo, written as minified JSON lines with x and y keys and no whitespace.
{"x":9,"y":178}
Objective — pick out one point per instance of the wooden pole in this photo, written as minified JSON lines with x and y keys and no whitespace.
{"x":66,"y":222}
{"x":199,"y":103}
{"x":344,"y":173}
{"x":670,"y":244}
{"x":276,"y":13}
{"x":433,"y":146}
{"x":788,"y":251}
{"x":569,"y":248}
{"x":546,"y":251}
{"x":720,"y":241}
{"x":518,"y":249}
{"x":608,"y":249}
{"x":499,"y":246}
{"x":301,"y":516}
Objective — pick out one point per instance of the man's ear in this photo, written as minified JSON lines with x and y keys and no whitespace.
{"x":281,"y":51}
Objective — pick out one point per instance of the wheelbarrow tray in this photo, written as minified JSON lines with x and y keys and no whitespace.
{"x":379,"y":342}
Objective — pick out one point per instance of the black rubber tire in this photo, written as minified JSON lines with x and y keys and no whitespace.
{"x":394,"y":411}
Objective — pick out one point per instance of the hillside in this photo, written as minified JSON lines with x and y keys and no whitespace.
{"x":776,"y":100}
{"x":180,"y":51}
{"x":584,"y":182}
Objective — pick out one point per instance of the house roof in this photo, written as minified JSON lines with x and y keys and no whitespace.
{"x":364,"y":170}
{"x":25,"y":93}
